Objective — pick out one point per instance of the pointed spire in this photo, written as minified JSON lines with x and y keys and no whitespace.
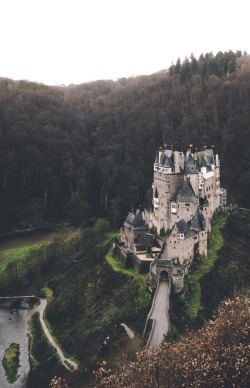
{"x":190,"y":167}
{"x":198,"y":221}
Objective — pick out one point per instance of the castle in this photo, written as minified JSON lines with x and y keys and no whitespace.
{"x":165,"y":239}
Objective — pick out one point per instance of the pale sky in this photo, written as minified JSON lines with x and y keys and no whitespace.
{"x":75,"y":41}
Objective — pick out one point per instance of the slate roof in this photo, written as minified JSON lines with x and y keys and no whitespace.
{"x":183,"y":228}
{"x":190,"y":167}
{"x":164,"y":263}
{"x":198,"y":222}
{"x":167,"y":158}
{"x":185,"y":193}
{"x":205,"y":157}
{"x":135,"y":220}
{"x":204,"y":202}
{"x":167,"y":163}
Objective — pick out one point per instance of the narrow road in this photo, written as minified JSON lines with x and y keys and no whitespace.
{"x":69,"y":364}
{"x":160,"y":316}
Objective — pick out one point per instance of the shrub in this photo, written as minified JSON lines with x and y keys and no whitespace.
{"x":215,"y":356}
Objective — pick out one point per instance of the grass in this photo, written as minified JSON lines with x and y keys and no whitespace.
{"x":44,"y":361}
{"x":20,"y":248}
{"x":144,"y":297}
{"x":11,"y":362}
{"x":215,"y":243}
{"x":41,"y":349}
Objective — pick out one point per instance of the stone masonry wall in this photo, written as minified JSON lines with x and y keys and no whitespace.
{"x":183,"y":249}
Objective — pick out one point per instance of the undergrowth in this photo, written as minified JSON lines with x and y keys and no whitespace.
{"x":144,"y":296}
{"x":215,"y":242}
{"x":11,"y":362}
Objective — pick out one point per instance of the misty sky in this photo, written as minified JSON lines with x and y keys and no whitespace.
{"x":75,"y":41}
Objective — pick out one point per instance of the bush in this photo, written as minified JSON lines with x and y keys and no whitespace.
{"x":216,"y":356}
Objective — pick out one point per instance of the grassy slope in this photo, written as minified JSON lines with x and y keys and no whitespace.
{"x":42,"y":356}
{"x":20,"y":248}
{"x":215,"y":244}
{"x":231,"y":271}
{"x":90,"y":302}
{"x":91,"y":299}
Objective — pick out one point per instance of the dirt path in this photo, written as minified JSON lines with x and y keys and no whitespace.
{"x":69,"y":364}
{"x":160,"y":316}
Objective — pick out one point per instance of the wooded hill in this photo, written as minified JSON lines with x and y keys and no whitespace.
{"x":68,"y":153}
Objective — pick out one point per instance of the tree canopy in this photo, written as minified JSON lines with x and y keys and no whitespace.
{"x":74,"y":152}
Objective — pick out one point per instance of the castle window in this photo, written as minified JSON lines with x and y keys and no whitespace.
{"x":187,"y":204}
{"x":173,"y":208}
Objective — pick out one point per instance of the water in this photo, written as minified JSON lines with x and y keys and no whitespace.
{"x":13,"y":329}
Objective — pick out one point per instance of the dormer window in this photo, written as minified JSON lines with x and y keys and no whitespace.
{"x":181,"y":236}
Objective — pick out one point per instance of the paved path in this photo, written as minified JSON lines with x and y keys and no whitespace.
{"x":69,"y":364}
{"x":160,"y":316}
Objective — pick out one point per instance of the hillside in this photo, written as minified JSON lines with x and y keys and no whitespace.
{"x":215,"y":356}
{"x":87,"y":150}
{"x":90,"y":301}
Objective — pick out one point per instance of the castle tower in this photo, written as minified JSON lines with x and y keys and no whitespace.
{"x":166,"y":181}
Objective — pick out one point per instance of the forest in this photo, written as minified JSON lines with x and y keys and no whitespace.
{"x":70,"y":154}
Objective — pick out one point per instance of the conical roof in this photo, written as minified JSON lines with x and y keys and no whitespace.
{"x":135,"y":220}
{"x":198,"y":221}
{"x":190,"y":167}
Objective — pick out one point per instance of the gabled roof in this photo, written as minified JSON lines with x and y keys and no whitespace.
{"x":135,"y":220}
{"x":183,"y":228}
{"x":198,"y":222}
{"x":185,"y":193}
{"x":204,"y":202}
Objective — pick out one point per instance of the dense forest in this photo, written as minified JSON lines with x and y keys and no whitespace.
{"x":82,"y":151}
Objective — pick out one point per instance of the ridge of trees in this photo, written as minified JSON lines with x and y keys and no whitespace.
{"x":87,"y":150}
